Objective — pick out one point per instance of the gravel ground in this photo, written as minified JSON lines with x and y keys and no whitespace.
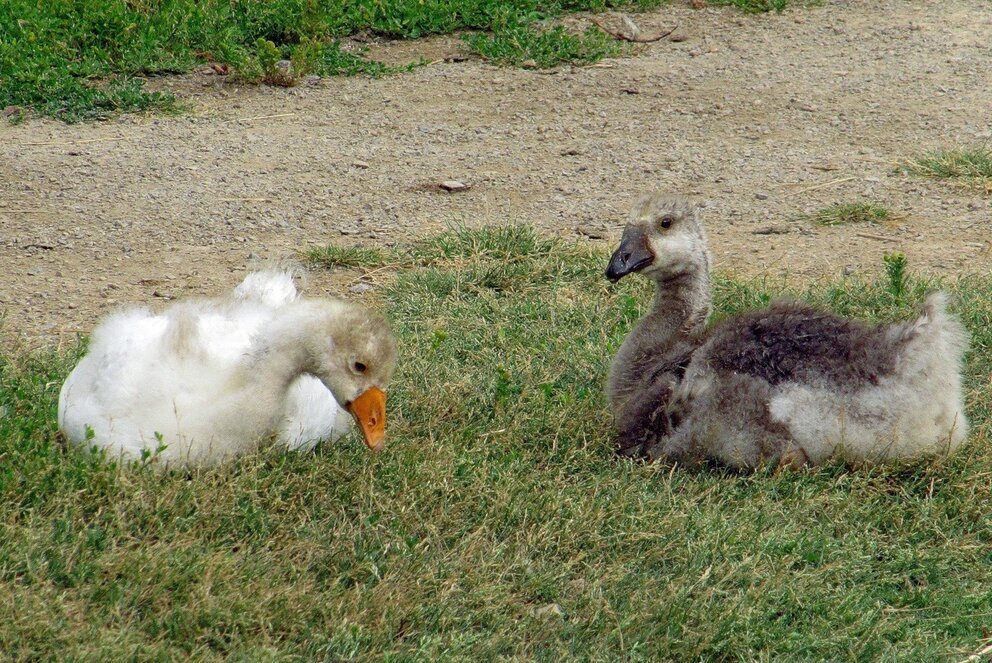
{"x":763,"y":117}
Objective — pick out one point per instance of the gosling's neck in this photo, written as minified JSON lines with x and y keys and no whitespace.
{"x":254,"y":395}
{"x":285,"y":348}
{"x":681,"y":307}
{"x":682,"y":304}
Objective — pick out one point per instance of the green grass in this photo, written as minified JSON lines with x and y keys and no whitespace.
{"x":755,"y":6}
{"x":847,"y":213}
{"x":498,"y":524}
{"x":524,"y":46}
{"x":90,"y":59}
{"x":348,"y":256}
{"x":973,"y":166}
{"x":762,"y":6}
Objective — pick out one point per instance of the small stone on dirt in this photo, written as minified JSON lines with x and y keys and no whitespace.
{"x":590,"y":231}
{"x":760,"y":195}
{"x":453,"y":185}
{"x":360,"y":164}
{"x":360,"y":288}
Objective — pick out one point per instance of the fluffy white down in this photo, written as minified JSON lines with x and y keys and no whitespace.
{"x":918,"y":410}
{"x":147,"y":375}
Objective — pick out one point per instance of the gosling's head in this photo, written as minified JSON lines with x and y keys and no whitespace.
{"x":664,"y":238}
{"x":354,"y":357}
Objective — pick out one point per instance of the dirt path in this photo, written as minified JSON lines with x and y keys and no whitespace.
{"x":765,"y":117}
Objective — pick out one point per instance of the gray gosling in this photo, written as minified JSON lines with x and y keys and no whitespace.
{"x":787,"y":384}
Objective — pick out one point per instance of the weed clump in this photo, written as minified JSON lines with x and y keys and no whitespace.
{"x":970,"y":166}
{"x":850,"y":213}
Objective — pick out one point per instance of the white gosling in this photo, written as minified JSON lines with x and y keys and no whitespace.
{"x":787,"y":383}
{"x":206,"y":380}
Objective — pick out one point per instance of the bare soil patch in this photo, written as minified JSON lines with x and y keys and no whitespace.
{"x":764,"y":117}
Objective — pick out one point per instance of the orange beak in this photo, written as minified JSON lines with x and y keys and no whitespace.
{"x":369,"y":411}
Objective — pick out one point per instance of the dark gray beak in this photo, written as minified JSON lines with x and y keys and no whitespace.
{"x":633,"y":254}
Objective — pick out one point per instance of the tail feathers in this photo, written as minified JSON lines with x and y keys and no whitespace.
{"x":182,"y":337}
{"x":935,"y":330}
{"x":269,"y":287}
{"x":935,"y":305}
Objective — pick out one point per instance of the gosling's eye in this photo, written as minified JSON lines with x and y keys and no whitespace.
{"x":666,"y":222}
{"x":360,"y":367}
